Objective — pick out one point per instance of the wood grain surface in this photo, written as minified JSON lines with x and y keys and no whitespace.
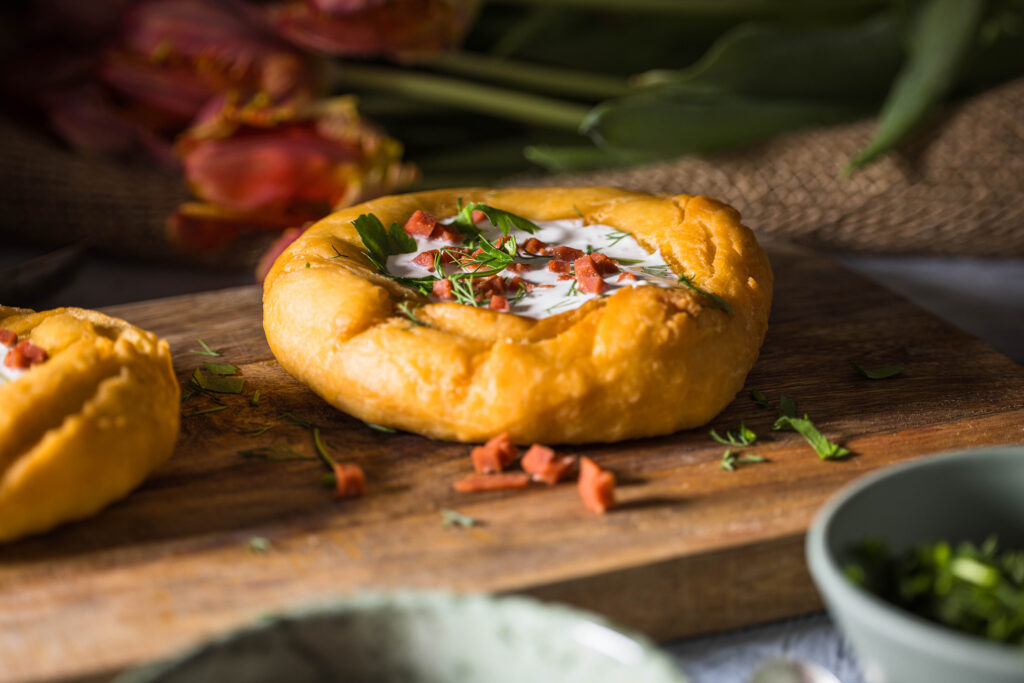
{"x":692,"y":548}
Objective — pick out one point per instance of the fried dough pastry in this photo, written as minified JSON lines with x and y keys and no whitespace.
{"x":86,"y":426}
{"x":642,"y":362}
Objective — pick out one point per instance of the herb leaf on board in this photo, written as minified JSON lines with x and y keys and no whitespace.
{"x":803,"y":426}
{"x":883,"y":372}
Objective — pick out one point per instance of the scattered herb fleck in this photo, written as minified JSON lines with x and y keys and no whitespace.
{"x":454,"y":518}
{"x":381,"y":428}
{"x":803,"y":426}
{"x":760,"y":400}
{"x":883,"y":372}
{"x":217,"y":383}
{"x":204,"y":411}
{"x":259,"y":544}
{"x":307,"y":264}
{"x":205,"y":351}
{"x":321,"y":449}
{"x":297,"y":420}
{"x":220,"y":368}
{"x":731,"y":461}
{"x":278,"y":453}
{"x":254,"y":400}
{"x":258,"y":431}
{"x":744,"y":436}
{"x":616,"y":236}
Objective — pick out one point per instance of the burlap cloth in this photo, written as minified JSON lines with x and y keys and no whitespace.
{"x":959,"y":190}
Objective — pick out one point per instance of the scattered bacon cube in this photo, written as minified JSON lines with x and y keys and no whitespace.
{"x":518,"y":267}
{"x":349,"y":481}
{"x":24,"y":355}
{"x":541,"y":463}
{"x":596,"y":487}
{"x":561,"y":267}
{"x":492,"y":482}
{"x":590,"y":280}
{"x":605,"y":264}
{"x":535,"y":246}
{"x":8,"y":338}
{"x":625,"y":276}
{"x":564,"y":253}
{"x":443,"y":290}
{"x":478,"y":215}
{"x":420,"y":223}
{"x":499,"y":303}
{"x":448,"y":233}
{"x":426,"y":259}
{"x":495,"y":455}
{"x":514,"y":284}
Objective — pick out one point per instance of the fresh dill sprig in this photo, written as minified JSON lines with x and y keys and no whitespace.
{"x":405,"y":309}
{"x":205,"y":351}
{"x":717,"y":301}
{"x":616,"y":236}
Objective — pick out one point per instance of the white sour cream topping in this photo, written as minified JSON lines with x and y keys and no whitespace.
{"x":561,"y":295}
{"x":7,"y":374}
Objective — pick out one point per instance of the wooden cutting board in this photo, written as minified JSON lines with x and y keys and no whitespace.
{"x":692,"y":549}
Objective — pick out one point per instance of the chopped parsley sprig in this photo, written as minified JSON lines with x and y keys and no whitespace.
{"x":744,"y":436}
{"x":502,"y":220}
{"x":380,"y":242}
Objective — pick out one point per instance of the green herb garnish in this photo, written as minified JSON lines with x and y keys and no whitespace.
{"x":204,"y":411}
{"x":657,"y":271}
{"x":205,"y":351}
{"x":321,"y":449}
{"x":760,"y":400}
{"x":380,"y":242}
{"x":258,"y":431}
{"x":381,"y":428}
{"x":220,"y":368}
{"x":278,"y":453}
{"x":259,"y":544}
{"x":410,"y":312}
{"x":883,"y":372}
{"x":297,"y":420}
{"x":717,"y":301}
{"x":254,"y":400}
{"x":803,"y":426}
{"x":453,"y":518}
{"x":217,"y":383}
{"x":730,"y":460}
{"x":502,"y":220}
{"x":616,"y":236}
{"x":744,"y":436}
{"x":977,"y":590}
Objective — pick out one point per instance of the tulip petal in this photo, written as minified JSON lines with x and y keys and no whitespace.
{"x":392,"y":28}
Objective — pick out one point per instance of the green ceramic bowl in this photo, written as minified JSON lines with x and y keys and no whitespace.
{"x":961,"y":496}
{"x":423,"y":638}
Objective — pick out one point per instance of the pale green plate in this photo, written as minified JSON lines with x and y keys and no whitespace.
{"x":424,"y":638}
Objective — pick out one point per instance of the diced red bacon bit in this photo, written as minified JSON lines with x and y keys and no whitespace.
{"x":495,"y":455}
{"x":564,"y":253}
{"x":560,"y":267}
{"x":605,"y":264}
{"x":349,"y":480}
{"x":8,"y":338}
{"x":514,"y":284}
{"x":478,"y":216}
{"x":518,"y":267}
{"x":426,"y":258}
{"x":443,"y":290}
{"x":596,"y":487}
{"x":24,"y":355}
{"x":535,"y":246}
{"x":541,"y":463}
{"x":421,"y":223}
{"x":448,"y":233}
{"x":499,"y":303}
{"x":586,"y":274}
{"x":625,"y":276}
{"x":566,"y":277}
{"x":492,"y":482}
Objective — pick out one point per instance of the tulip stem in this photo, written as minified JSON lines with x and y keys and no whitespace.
{"x":507,"y":104}
{"x":533,"y":76}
